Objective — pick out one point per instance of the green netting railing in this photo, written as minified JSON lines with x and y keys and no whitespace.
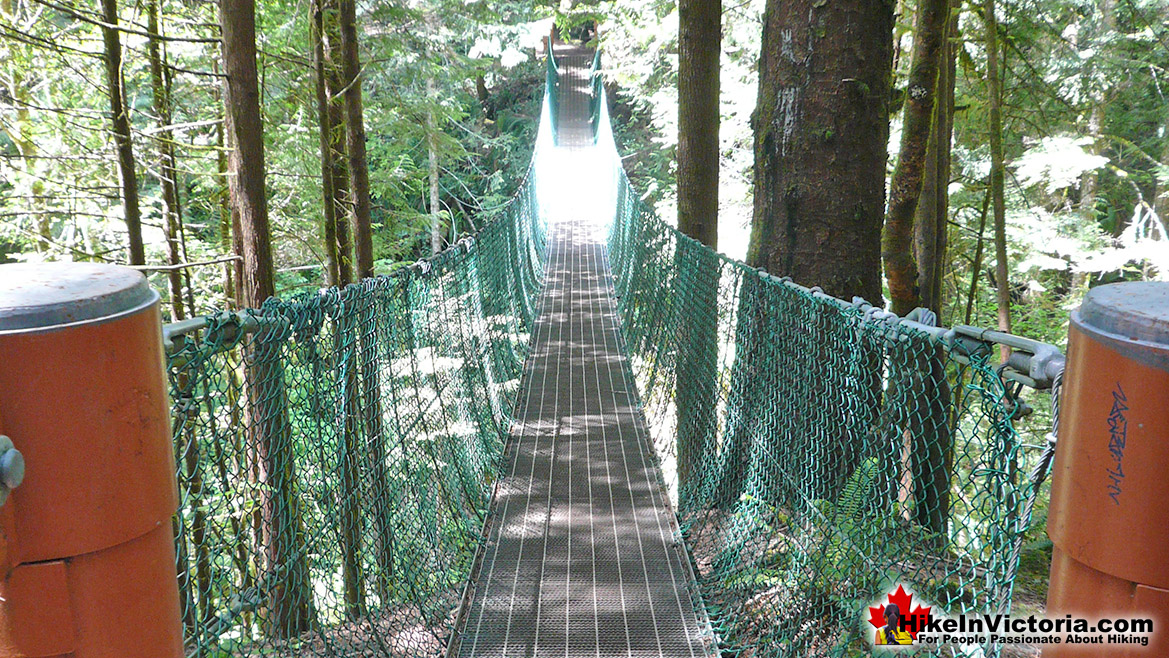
{"x":337,"y":451}
{"x":820,"y":452}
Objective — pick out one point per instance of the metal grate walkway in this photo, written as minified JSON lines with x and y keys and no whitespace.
{"x":583,"y":557}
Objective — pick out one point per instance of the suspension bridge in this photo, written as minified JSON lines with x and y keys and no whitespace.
{"x":580,"y":433}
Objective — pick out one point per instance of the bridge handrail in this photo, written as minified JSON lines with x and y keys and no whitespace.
{"x":1031,"y":363}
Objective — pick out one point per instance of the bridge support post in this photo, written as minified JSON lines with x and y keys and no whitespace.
{"x":87,"y":555}
{"x":1109,"y":514}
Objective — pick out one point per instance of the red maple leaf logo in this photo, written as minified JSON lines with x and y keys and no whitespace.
{"x":911,"y":622}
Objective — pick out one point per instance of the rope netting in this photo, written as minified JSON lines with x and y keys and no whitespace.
{"x":337,"y":451}
{"x":819,"y":452}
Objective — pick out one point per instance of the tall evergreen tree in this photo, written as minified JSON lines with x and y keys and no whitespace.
{"x":267,"y":422}
{"x":821,"y":125}
{"x":997,"y":169}
{"x":120,"y":121}
{"x":931,"y":221}
{"x":325,"y":125}
{"x":699,"y":46}
{"x":335,"y":129}
{"x":355,"y":139}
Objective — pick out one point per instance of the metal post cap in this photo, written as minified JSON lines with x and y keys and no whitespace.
{"x":41,"y":296}
{"x":1131,"y":318}
{"x":1136,"y":310}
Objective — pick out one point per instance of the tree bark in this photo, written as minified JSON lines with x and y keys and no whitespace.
{"x":355,"y":140}
{"x":905,"y":187}
{"x":167,"y":174}
{"x":120,"y":122}
{"x":933,"y":208}
{"x":329,"y":203}
{"x":994,"y":93}
{"x":349,"y":456}
{"x":932,"y":454}
{"x":246,"y":159}
{"x":227,"y":223}
{"x":371,"y":399}
{"x":699,"y":41}
{"x":976,"y":268}
{"x":821,"y":125}
{"x":187,"y":445}
{"x":432,"y":153}
{"x":267,"y":423}
{"x":339,"y":157}
{"x":699,"y":45}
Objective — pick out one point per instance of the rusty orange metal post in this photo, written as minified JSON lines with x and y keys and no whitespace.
{"x":1109,"y":515}
{"x":87,"y":560}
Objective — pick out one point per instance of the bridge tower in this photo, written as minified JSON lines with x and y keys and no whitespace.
{"x":87,"y":559}
{"x":1109,"y":515}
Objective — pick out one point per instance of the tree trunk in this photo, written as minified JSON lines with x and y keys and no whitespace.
{"x":329,"y":203}
{"x":432,"y":152}
{"x":1161,"y":199}
{"x":699,"y":41}
{"x":349,"y":456}
{"x":267,"y":422}
{"x":371,"y":399}
{"x":355,"y":140}
{"x":187,"y":446}
{"x":339,"y":158}
{"x":120,"y":121}
{"x":933,"y":209}
{"x":432,"y":146}
{"x":905,"y":187}
{"x":484,"y":96}
{"x":821,"y":126}
{"x":1098,"y":99}
{"x":246,"y":158}
{"x":227,"y":224}
{"x":932,"y":454}
{"x":994,"y":93}
{"x":167,"y":174}
{"x":976,"y":268}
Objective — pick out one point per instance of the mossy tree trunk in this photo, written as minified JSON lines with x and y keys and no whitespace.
{"x":905,"y":187}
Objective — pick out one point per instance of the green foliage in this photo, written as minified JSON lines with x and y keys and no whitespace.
{"x":66,"y":191}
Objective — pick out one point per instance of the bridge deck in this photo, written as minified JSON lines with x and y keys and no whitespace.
{"x":583,"y":556}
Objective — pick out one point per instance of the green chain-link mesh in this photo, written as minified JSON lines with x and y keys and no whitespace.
{"x":820,"y":452}
{"x":336,"y":462}
{"x":337,"y":452}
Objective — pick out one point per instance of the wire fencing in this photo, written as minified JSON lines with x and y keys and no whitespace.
{"x":337,"y":451}
{"x":821,"y":452}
